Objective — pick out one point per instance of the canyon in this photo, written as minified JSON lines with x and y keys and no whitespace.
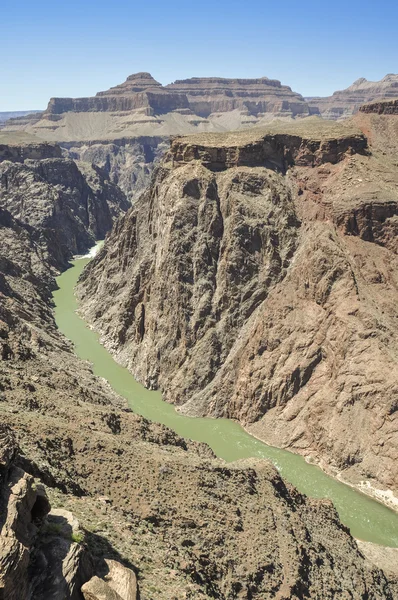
{"x":125,"y":130}
{"x":254,"y":279}
{"x":177,"y":523}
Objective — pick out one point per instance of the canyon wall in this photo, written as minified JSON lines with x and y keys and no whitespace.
{"x":68,"y":206}
{"x":345,"y":103}
{"x":256,"y":280}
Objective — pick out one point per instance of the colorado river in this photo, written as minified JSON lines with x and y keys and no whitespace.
{"x":367,"y":519}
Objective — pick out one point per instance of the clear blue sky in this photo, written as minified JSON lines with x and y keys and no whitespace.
{"x":78,"y":47}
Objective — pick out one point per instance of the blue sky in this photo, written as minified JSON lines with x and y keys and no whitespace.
{"x":76,"y":48}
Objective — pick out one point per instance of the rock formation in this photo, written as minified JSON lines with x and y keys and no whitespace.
{"x":66,"y":205}
{"x":256,"y":280}
{"x":15,"y":114}
{"x":128,"y":162}
{"x":384,"y":107}
{"x":200,"y":96}
{"x":345,"y":103}
{"x":21,"y":146}
{"x":41,"y":551}
{"x":207,"y":95}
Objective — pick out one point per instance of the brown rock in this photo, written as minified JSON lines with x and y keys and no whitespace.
{"x":130,"y":124}
{"x":67,"y":207}
{"x":208,"y":95}
{"x":385,"y":107}
{"x":118,"y":583}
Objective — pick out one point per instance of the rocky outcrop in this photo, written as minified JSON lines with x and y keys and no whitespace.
{"x":202,"y":96}
{"x":139,"y":91}
{"x":157,"y":102}
{"x":265,"y":293}
{"x":345,"y":103}
{"x":138,"y":82}
{"x":386,"y":107}
{"x":21,"y":147}
{"x":41,"y":554}
{"x":274,"y":149}
{"x":127,"y":162}
{"x":38,"y":558}
{"x":117,"y":583}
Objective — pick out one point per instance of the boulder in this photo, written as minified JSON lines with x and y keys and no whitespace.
{"x":117,"y":583}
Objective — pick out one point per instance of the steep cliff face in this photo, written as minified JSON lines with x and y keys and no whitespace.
{"x":345,"y":103}
{"x":265,"y":293}
{"x":202,"y":95}
{"x":208,"y":95}
{"x":67,"y":206}
{"x":21,"y":146}
{"x":384,"y":107}
{"x":127,"y":162}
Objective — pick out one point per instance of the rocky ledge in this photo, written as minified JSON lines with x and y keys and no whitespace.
{"x":384,"y":107}
{"x":42,"y":550}
{"x":311,"y":144}
{"x":19,"y":146}
{"x":208,"y":95}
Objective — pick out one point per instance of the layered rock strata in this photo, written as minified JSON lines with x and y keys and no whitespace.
{"x":345,"y":103}
{"x":256,"y":280}
{"x":20,"y":146}
{"x":208,"y":95}
{"x":127,"y":127}
{"x":386,"y":107}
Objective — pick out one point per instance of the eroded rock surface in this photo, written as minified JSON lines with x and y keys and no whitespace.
{"x":386,"y":107}
{"x":266,"y":293}
{"x":126,"y":128}
{"x":117,"y":583}
{"x":65,"y":205}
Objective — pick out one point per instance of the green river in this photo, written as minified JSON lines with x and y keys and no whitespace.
{"x":367,"y":519}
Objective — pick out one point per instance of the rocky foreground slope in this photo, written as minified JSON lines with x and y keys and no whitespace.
{"x":345,"y":103}
{"x":257,"y":280}
{"x":159,"y":516}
